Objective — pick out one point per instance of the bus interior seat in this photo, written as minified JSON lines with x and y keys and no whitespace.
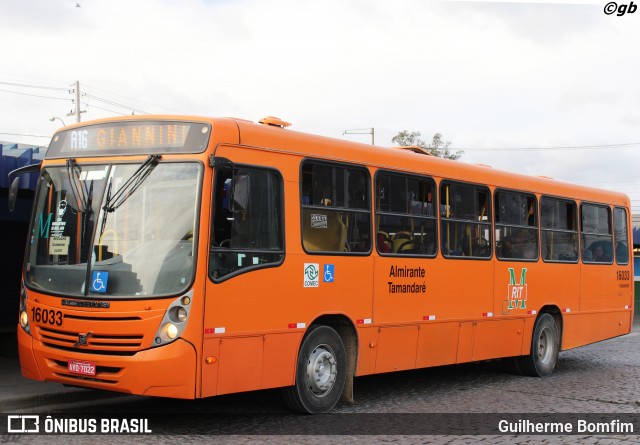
{"x":410,"y":246}
{"x":398,"y":239}
{"x":331,"y":238}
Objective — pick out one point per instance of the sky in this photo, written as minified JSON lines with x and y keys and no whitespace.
{"x":541,"y":88}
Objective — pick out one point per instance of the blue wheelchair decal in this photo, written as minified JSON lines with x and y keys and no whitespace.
{"x":329,"y":274}
{"x":99,"y":282}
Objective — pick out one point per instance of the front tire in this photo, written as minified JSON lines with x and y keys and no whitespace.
{"x":545,"y":346}
{"x":320,"y":372}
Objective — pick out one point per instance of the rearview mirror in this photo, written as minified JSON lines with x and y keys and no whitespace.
{"x":13,"y":193}
{"x":14,"y":178}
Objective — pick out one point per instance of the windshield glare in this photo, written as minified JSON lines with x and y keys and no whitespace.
{"x":143,"y":246}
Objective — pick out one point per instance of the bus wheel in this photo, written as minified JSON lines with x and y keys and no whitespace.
{"x":545,"y":346}
{"x":320,"y":372}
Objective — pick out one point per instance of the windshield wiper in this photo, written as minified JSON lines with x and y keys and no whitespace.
{"x":131,"y":185}
{"x":78,"y":187}
{"x":111,"y":203}
{"x":81,"y":193}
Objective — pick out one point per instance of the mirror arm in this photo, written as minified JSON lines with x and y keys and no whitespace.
{"x":14,"y":182}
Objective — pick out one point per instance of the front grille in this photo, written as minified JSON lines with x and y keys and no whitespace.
{"x":90,"y":318}
{"x":96,"y":342}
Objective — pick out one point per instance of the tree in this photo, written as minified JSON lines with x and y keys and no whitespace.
{"x":437,"y":147}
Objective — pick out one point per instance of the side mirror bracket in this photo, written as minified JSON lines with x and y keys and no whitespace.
{"x":14,"y":179}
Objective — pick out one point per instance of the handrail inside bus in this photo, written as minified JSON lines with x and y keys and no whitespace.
{"x":115,"y":237}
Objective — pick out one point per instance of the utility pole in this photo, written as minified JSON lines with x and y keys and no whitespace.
{"x":77,"y":112}
{"x":370,"y":131}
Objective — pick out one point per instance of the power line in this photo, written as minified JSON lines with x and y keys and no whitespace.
{"x":131,"y":98}
{"x":86,"y":104}
{"x":560,"y":148}
{"x":23,"y":76}
{"x":28,"y":135}
{"x":70,"y":90}
{"x":34,"y":95}
{"x":116,"y":104}
{"x":42,"y":87}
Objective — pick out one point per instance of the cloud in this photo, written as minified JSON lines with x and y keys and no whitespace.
{"x":484,"y":74}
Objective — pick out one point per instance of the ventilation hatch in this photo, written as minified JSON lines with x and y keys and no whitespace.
{"x":274,"y":122}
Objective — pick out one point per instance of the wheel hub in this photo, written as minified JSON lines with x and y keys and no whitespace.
{"x":321,"y":370}
{"x":545,"y":347}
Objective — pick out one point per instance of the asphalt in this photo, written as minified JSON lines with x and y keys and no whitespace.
{"x":19,"y":393}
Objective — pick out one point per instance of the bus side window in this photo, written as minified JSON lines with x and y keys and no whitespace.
{"x":621,"y":235}
{"x":247,"y":230}
{"x":516,"y":226}
{"x":405,"y":218}
{"x":335,"y":208}
{"x":597,"y":236}
{"x":559,"y":229}
{"x":466,"y":224}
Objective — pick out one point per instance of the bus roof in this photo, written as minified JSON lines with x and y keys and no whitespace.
{"x":272,"y":136}
{"x":393,"y":158}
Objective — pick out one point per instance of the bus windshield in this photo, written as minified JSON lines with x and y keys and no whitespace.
{"x":121,"y":230}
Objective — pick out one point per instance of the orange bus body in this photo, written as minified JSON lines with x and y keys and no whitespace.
{"x":245,"y":332}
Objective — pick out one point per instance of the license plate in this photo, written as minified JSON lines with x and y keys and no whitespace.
{"x":82,"y":368}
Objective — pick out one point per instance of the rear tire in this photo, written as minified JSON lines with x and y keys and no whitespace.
{"x":320,"y":372}
{"x":545,"y":346}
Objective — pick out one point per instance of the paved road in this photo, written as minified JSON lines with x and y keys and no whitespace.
{"x":600,"y":378}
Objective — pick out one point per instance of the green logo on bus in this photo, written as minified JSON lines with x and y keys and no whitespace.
{"x":311,"y":274}
{"x":517,"y":291}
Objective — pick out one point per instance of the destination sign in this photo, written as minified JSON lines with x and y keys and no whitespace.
{"x":123,"y":138}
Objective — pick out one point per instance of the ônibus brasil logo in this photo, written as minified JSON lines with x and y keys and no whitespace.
{"x":517,"y":292}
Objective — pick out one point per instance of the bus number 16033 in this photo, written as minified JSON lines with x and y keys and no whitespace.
{"x":623,"y":275}
{"x":46,"y":316}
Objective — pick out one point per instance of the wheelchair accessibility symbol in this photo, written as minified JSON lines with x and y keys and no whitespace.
{"x":329,"y":274}
{"x":99,"y":282}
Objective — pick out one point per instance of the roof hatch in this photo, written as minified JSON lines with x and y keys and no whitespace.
{"x":274,"y":122}
{"x":414,"y":148}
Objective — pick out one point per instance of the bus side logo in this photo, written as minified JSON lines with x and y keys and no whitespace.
{"x":311,"y":274}
{"x":517,"y":292}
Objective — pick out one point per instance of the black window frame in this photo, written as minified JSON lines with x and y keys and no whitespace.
{"x":433,"y":217}
{"x":583,"y":233}
{"x":488,"y":224}
{"x":220,"y":164}
{"x":615,"y":238}
{"x":535,"y":228}
{"x":337,"y":210}
{"x":544,"y":230}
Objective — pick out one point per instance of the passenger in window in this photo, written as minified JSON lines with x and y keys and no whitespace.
{"x":384,"y":246}
{"x":525,"y":245}
{"x":622,"y":252}
{"x":506,"y":247}
{"x":480,"y":247}
{"x":599,"y":256}
{"x":357,"y":191}
{"x":362,"y":244}
{"x":326,"y":197}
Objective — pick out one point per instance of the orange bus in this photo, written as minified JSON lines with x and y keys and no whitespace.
{"x":191,"y":257}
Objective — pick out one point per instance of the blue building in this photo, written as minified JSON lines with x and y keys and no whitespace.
{"x":14,"y":225}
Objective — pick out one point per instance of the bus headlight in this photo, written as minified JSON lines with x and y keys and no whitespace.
{"x":23,"y":316}
{"x":170,"y":330}
{"x":174,"y":321}
{"x":24,"y":320}
{"x":181,"y":314}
